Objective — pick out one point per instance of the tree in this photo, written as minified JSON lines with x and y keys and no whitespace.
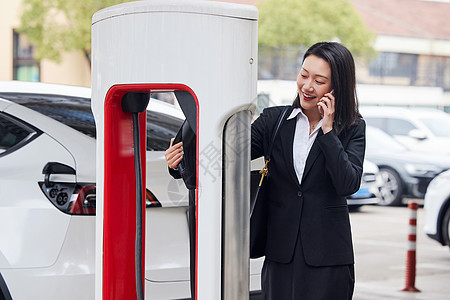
{"x":57,"y":26}
{"x":305,"y":22}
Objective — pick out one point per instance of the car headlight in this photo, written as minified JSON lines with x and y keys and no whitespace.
{"x":422,"y":170}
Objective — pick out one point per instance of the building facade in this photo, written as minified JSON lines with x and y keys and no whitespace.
{"x":413,"y":40}
{"x":412,"y":61}
{"x":17,"y":61}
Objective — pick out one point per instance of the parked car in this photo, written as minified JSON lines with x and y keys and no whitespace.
{"x":47,"y":221}
{"x":424,"y":130}
{"x":437,"y":209}
{"x":404,"y":173}
{"x":369,"y":191}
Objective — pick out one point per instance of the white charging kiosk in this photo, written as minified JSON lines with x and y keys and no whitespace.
{"x":207,"y":49}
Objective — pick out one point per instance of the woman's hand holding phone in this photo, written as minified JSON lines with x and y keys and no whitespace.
{"x":174,"y":154}
{"x":326,"y":106}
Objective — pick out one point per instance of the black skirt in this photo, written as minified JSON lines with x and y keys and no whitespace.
{"x":299,"y":281}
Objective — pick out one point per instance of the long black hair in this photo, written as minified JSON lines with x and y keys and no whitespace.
{"x":343,"y":82}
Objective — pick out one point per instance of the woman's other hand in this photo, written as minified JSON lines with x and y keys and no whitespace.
{"x":174,"y":154}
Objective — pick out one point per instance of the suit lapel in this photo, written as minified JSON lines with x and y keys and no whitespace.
{"x":313,"y":154}
{"x":287,"y":140}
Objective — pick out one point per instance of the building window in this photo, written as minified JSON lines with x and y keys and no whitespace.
{"x":389,"y":64}
{"x":25,"y":67}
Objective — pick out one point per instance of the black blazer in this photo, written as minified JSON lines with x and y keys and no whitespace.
{"x":316,"y":209}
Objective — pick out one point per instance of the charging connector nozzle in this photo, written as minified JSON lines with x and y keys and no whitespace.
{"x":135,"y":102}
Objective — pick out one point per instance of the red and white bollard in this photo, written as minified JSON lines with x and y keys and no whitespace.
{"x":411,"y":249}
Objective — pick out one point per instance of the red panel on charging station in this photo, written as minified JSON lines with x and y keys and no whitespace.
{"x":119,"y":209}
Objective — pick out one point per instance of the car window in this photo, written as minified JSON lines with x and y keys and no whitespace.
{"x":399,"y":127}
{"x":72,"y":111}
{"x":13,"y":134}
{"x":160,"y":129}
{"x":438,"y":126}
{"x":76,"y":113}
{"x":376,"y":122}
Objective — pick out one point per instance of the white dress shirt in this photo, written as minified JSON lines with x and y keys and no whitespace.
{"x":303,"y":141}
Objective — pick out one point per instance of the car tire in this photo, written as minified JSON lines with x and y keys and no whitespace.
{"x":391,"y":188}
{"x":445,"y":229}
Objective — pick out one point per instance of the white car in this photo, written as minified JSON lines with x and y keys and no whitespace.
{"x":369,"y":191}
{"x":419,"y":129}
{"x":47,"y":197}
{"x":437,"y":209}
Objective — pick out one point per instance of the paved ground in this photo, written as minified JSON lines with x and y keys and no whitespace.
{"x":380,"y":235}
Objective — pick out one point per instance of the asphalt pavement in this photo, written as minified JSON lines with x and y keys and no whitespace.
{"x":380,"y":241}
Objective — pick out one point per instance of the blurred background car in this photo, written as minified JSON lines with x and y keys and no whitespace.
{"x":419,"y":129}
{"x":437,"y":209}
{"x":369,"y":191}
{"x":48,"y":202}
{"x":404,"y":173}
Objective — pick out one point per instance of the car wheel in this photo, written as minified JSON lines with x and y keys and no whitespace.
{"x":391,"y":188}
{"x":446,"y":228}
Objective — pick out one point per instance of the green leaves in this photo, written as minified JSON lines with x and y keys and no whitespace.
{"x":58,"y":26}
{"x":305,"y":22}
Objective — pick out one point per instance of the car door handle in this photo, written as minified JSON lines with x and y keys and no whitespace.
{"x":56,"y":168}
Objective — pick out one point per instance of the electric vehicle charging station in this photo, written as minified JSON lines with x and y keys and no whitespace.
{"x":205,"y":52}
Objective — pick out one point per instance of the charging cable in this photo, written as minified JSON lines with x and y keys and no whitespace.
{"x":135,"y":103}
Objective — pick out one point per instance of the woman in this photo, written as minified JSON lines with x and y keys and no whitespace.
{"x":316,"y":162}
